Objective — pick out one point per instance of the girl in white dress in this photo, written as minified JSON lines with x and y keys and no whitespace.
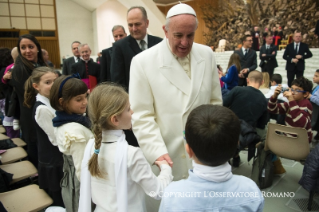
{"x":115,"y":175}
{"x":72,"y":129}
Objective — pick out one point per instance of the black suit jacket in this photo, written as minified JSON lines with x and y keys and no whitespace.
{"x":123,"y":52}
{"x":270,"y":59}
{"x":290,"y":54}
{"x":246,"y":61}
{"x":67,"y":63}
{"x":94,"y":69}
{"x":105,"y":62}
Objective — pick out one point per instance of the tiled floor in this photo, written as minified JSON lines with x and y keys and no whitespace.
{"x":285,"y":183}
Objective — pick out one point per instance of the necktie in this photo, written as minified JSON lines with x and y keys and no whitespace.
{"x":142,"y":44}
{"x":246,"y":52}
{"x":296,"y":48}
{"x":267,"y":47}
{"x":78,"y":59}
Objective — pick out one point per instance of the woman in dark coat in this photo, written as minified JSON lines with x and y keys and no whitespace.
{"x":30,"y":57}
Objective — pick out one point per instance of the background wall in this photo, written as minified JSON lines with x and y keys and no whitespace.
{"x":196,"y":5}
{"x":74,"y":23}
{"x":107,"y":15}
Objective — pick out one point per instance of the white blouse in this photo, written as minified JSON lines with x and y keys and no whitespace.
{"x":43,"y":116}
{"x":140,"y":177}
{"x":72,"y":139}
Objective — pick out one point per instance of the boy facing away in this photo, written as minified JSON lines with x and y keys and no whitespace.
{"x":211,"y":186}
{"x":298,"y":109}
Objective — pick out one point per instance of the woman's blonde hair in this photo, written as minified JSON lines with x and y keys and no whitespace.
{"x":29,"y":91}
{"x":105,"y":101}
{"x":266,"y":80}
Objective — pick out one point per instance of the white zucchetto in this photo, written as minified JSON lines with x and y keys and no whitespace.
{"x":180,"y":9}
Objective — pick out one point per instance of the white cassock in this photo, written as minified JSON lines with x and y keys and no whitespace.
{"x":162,"y":96}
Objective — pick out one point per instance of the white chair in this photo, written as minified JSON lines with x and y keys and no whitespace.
{"x":280,"y":143}
{"x":221,"y":46}
{"x":20,"y":170}
{"x":12,"y":155}
{"x":29,"y":198}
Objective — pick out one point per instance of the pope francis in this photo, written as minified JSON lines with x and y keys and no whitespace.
{"x":167,"y":81}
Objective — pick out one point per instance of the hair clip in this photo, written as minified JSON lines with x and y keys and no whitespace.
{"x":96,"y":151}
{"x":76,"y":75}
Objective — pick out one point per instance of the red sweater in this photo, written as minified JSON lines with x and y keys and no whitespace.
{"x":298,"y":114}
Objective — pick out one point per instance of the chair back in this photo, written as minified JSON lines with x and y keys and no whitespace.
{"x":287,"y":142}
{"x":290,"y":38}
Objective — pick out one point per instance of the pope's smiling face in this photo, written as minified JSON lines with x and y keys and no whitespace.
{"x":180,"y":34}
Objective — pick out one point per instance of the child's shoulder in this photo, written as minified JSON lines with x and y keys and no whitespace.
{"x":244,"y":182}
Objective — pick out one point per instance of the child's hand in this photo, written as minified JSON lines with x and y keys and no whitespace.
{"x":288,"y":95}
{"x":308,"y":97}
{"x":277,"y":91}
{"x":7,"y":76}
{"x":159,"y":163}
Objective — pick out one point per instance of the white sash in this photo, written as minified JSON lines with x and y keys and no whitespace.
{"x":120,"y":173}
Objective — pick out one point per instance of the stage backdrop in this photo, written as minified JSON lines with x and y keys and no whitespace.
{"x":230,"y":19}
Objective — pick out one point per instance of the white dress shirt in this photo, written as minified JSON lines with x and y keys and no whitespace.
{"x":146,"y":42}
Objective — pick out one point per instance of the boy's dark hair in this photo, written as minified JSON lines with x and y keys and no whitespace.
{"x":71,"y":88}
{"x":212,"y":132}
{"x":303,"y":83}
{"x":317,"y":70}
{"x":277,"y":78}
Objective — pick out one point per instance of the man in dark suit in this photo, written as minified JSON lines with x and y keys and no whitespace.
{"x":268,"y":53}
{"x":248,"y":59}
{"x":295,"y":55}
{"x":125,"y":49}
{"x":118,"y":32}
{"x":86,"y":66}
{"x":67,"y":63}
{"x":317,"y":31}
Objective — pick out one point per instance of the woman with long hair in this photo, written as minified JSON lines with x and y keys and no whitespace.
{"x":30,"y":57}
{"x":230,"y":78}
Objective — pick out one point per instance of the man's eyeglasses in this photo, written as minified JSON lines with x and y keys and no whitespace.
{"x":297,"y":91}
{"x":249,"y":40}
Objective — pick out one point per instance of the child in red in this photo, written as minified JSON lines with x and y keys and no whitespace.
{"x":299,"y":109}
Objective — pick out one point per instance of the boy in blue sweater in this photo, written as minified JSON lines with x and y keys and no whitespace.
{"x":212,"y":134}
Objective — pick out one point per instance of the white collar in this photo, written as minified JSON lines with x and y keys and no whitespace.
{"x":243,"y":49}
{"x":217,"y":174}
{"x":45,"y":101}
{"x":76,"y":59}
{"x":296,"y":43}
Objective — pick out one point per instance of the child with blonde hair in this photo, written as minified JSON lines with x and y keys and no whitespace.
{"x":50,"y":162}
{"x":115,"y":175}
{"x":69,"y":98}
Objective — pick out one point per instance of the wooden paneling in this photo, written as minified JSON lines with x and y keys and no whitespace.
{"x":199,"y":38}
{"x":49,"y":44}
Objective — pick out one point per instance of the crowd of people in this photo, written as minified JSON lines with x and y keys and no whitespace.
{"x":95,"y":132}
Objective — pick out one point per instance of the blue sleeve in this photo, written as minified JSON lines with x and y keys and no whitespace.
{"x":315,"y":98}
{"x":230,"y":74}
